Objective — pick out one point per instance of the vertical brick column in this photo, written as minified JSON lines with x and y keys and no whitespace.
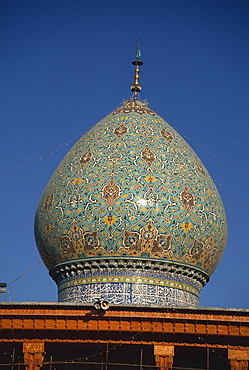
{"x":238,"y":359}
{"x":164,"y":356}
{"x":33,"y":355}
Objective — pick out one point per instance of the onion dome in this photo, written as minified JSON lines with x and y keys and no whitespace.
{"x":131,"y":215}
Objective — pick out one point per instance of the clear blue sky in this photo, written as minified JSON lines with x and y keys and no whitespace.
{"x":64,"y":65}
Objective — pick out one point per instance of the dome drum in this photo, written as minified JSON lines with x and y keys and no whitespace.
{"x":128,"y":281}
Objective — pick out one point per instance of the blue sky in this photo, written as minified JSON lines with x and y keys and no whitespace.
{"x":64,"y":65}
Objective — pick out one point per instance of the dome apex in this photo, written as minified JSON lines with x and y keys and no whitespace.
{"x":131,"y":214}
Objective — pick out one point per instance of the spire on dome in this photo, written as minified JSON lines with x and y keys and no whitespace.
{"x":136,"y":88}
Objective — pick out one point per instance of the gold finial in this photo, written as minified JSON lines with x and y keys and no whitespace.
{"x":136,"y":88}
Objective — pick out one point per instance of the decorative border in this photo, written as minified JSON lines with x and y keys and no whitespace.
{"x":128,"y":294}
{"x":128,"y":279}
{"x":150,"y":268}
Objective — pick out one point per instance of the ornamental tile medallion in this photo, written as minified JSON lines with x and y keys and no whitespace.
{"x":48,"y":201}
{"x":187,"y":199}
{"x":85,"y":157}
{"x":132,"y":188}
{"x":148,"y":156}
{"x":111,"y":192}
{"x":120,"y":130}
{"x":167,"y":135}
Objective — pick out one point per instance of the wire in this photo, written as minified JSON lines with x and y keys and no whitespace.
{"x":229,"y":193}
{"x":18,"y":229}
{"x":19,"y":277}
{"x":42,"y":157}
{"x":215,"y":351}
{"x":105,"y":351}
{"x":210,"y":152}
{"x":111,"y":364}
{"x":80,"y":135}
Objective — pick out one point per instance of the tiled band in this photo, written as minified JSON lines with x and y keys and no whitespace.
{"x":128,"y":293}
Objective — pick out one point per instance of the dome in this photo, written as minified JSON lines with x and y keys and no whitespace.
{"x":131,"y":215}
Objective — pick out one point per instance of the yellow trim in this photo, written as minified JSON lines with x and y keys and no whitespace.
{"x":130,"y":279}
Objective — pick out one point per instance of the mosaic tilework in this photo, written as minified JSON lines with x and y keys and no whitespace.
{"x":131,"y":187}
{"x":142,"y":278}
{"x":128,"y":294}
{"x":128,"y":284}
{"x":125,"y":279}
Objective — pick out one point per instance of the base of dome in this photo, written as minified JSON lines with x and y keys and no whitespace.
{"x":128,"y":294}
{"x":128,"y":281}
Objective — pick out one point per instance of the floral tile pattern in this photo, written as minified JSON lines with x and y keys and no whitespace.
{"x":131,"y":187}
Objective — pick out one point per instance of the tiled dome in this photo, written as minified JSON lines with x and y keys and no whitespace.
{"x":131,"y":215}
